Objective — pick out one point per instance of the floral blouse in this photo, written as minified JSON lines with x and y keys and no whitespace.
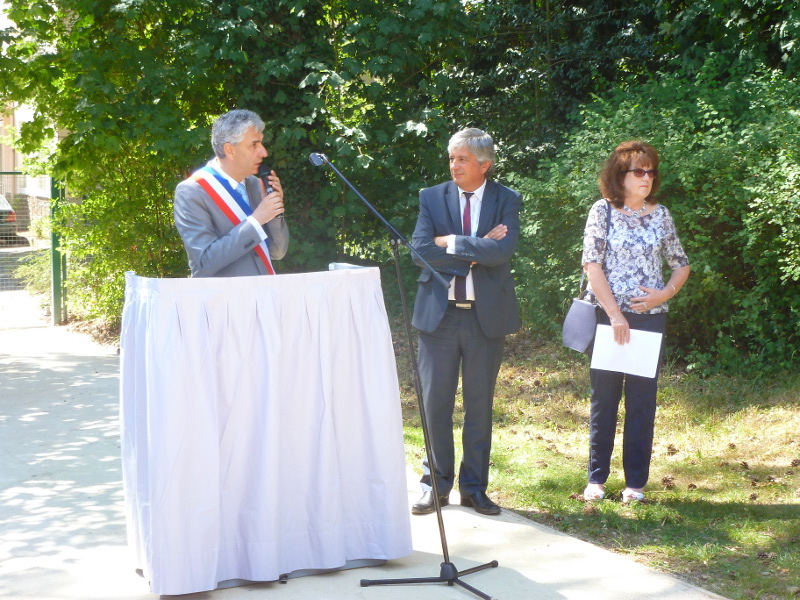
{"x":637,"y":247}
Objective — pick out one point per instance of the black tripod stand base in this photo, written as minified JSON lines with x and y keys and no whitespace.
{"x":448,"y":574}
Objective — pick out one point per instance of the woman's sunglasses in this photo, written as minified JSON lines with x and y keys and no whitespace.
{"x":642,"y":172}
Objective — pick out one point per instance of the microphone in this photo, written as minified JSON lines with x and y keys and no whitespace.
{"x":263,"y":174}
{"x":317,"y":159}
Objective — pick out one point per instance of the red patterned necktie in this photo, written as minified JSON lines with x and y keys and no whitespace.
{"x":460,"y":291}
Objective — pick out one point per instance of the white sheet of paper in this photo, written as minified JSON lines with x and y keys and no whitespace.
{"x":637,"y":357}
{"x":337,"y":265}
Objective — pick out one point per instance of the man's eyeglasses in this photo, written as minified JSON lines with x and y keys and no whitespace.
{"x":642,"y":172}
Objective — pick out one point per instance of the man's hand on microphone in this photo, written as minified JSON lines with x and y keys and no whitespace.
{"x":271,"y":204}
{"x":275,"y":184}
{"x":270,"y":207}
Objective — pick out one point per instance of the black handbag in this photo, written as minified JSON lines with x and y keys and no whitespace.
{"x":580,"y":324}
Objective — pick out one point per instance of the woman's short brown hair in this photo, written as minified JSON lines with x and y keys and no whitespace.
{"x":626,"y":154}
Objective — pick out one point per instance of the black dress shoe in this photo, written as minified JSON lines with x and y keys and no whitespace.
{"x":481,"y":503}
{"x":425,"y":504}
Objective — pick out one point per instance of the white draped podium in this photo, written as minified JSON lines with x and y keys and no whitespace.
{"x":261,"y":427}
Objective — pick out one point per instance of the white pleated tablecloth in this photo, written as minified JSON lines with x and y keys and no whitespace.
{"x":261,"y":427}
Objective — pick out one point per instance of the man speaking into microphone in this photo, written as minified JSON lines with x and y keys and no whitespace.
{"x":231,"y":222}
{"x":467,"y":230}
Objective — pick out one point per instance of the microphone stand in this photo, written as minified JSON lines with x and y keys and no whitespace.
{"x":448,"y":573}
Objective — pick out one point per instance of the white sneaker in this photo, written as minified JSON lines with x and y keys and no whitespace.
{"x":629,"y":495}
{"x":594,"y":491}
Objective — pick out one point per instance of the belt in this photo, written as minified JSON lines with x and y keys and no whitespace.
{"x":466,"y":304}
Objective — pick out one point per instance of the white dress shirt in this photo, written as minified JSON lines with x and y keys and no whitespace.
{"x":474,"y":213}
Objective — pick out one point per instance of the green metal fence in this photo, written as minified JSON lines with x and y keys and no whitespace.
{"x":31,"y":244}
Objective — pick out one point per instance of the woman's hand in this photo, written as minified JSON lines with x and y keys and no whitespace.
{"x":651,"y":299}
{"x":621,"y":329}
{"x":602,"y":291}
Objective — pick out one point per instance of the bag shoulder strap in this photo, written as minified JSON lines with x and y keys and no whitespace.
{"x":605,"y":249}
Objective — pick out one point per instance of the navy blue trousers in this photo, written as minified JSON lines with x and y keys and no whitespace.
{"x":459,"y":344}
{"x":640,"y":412}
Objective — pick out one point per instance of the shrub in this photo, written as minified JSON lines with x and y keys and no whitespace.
{"x":35,"y":270}
{"x":730,"y":170}
{"x":125,"y":225}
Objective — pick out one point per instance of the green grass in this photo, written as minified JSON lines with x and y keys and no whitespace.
{"x":723,"y":501}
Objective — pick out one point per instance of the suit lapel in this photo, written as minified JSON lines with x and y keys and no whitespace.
{"x":488,"y":209}
{"x":453,"y":206}
{"x":251,"y":192}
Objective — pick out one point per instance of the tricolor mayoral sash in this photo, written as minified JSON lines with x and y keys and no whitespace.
{"x":231,"y":203}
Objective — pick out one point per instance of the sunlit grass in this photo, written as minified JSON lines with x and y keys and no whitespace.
{"x":723,"y":500}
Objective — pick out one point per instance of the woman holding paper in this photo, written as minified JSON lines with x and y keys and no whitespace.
{"x":624,"y":269}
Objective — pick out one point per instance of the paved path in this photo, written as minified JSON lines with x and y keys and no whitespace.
{"x":62,"y":523}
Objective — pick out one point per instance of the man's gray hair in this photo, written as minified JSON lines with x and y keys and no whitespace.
{"x":476,"y":141}
{"x":231,"y":127}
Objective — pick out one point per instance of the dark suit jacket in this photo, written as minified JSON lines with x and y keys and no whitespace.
{"x":495,"y":298}
{"x":214,"y":246}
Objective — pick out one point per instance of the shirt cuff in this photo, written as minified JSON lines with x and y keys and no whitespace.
{"x":261,"y":233}
{"x":451,"y":244}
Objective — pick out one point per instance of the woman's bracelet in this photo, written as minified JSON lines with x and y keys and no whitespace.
{"x":674,"y":291}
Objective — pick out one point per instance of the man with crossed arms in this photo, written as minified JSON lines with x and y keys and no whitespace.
{"x":464,"y":327}
{"x":231,"y":225}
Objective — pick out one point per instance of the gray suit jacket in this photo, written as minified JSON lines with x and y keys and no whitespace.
{"x":495,"y":297}
{"x":214,"y":246}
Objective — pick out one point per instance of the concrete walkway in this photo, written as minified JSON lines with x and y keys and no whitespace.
{"x":62,"y":523}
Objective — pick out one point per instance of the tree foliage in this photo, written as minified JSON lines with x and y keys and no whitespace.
{"x":532,"y":65}
{"x":729,"y":171}
{"x":740,"y":33}
{"x":133,"y":85}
